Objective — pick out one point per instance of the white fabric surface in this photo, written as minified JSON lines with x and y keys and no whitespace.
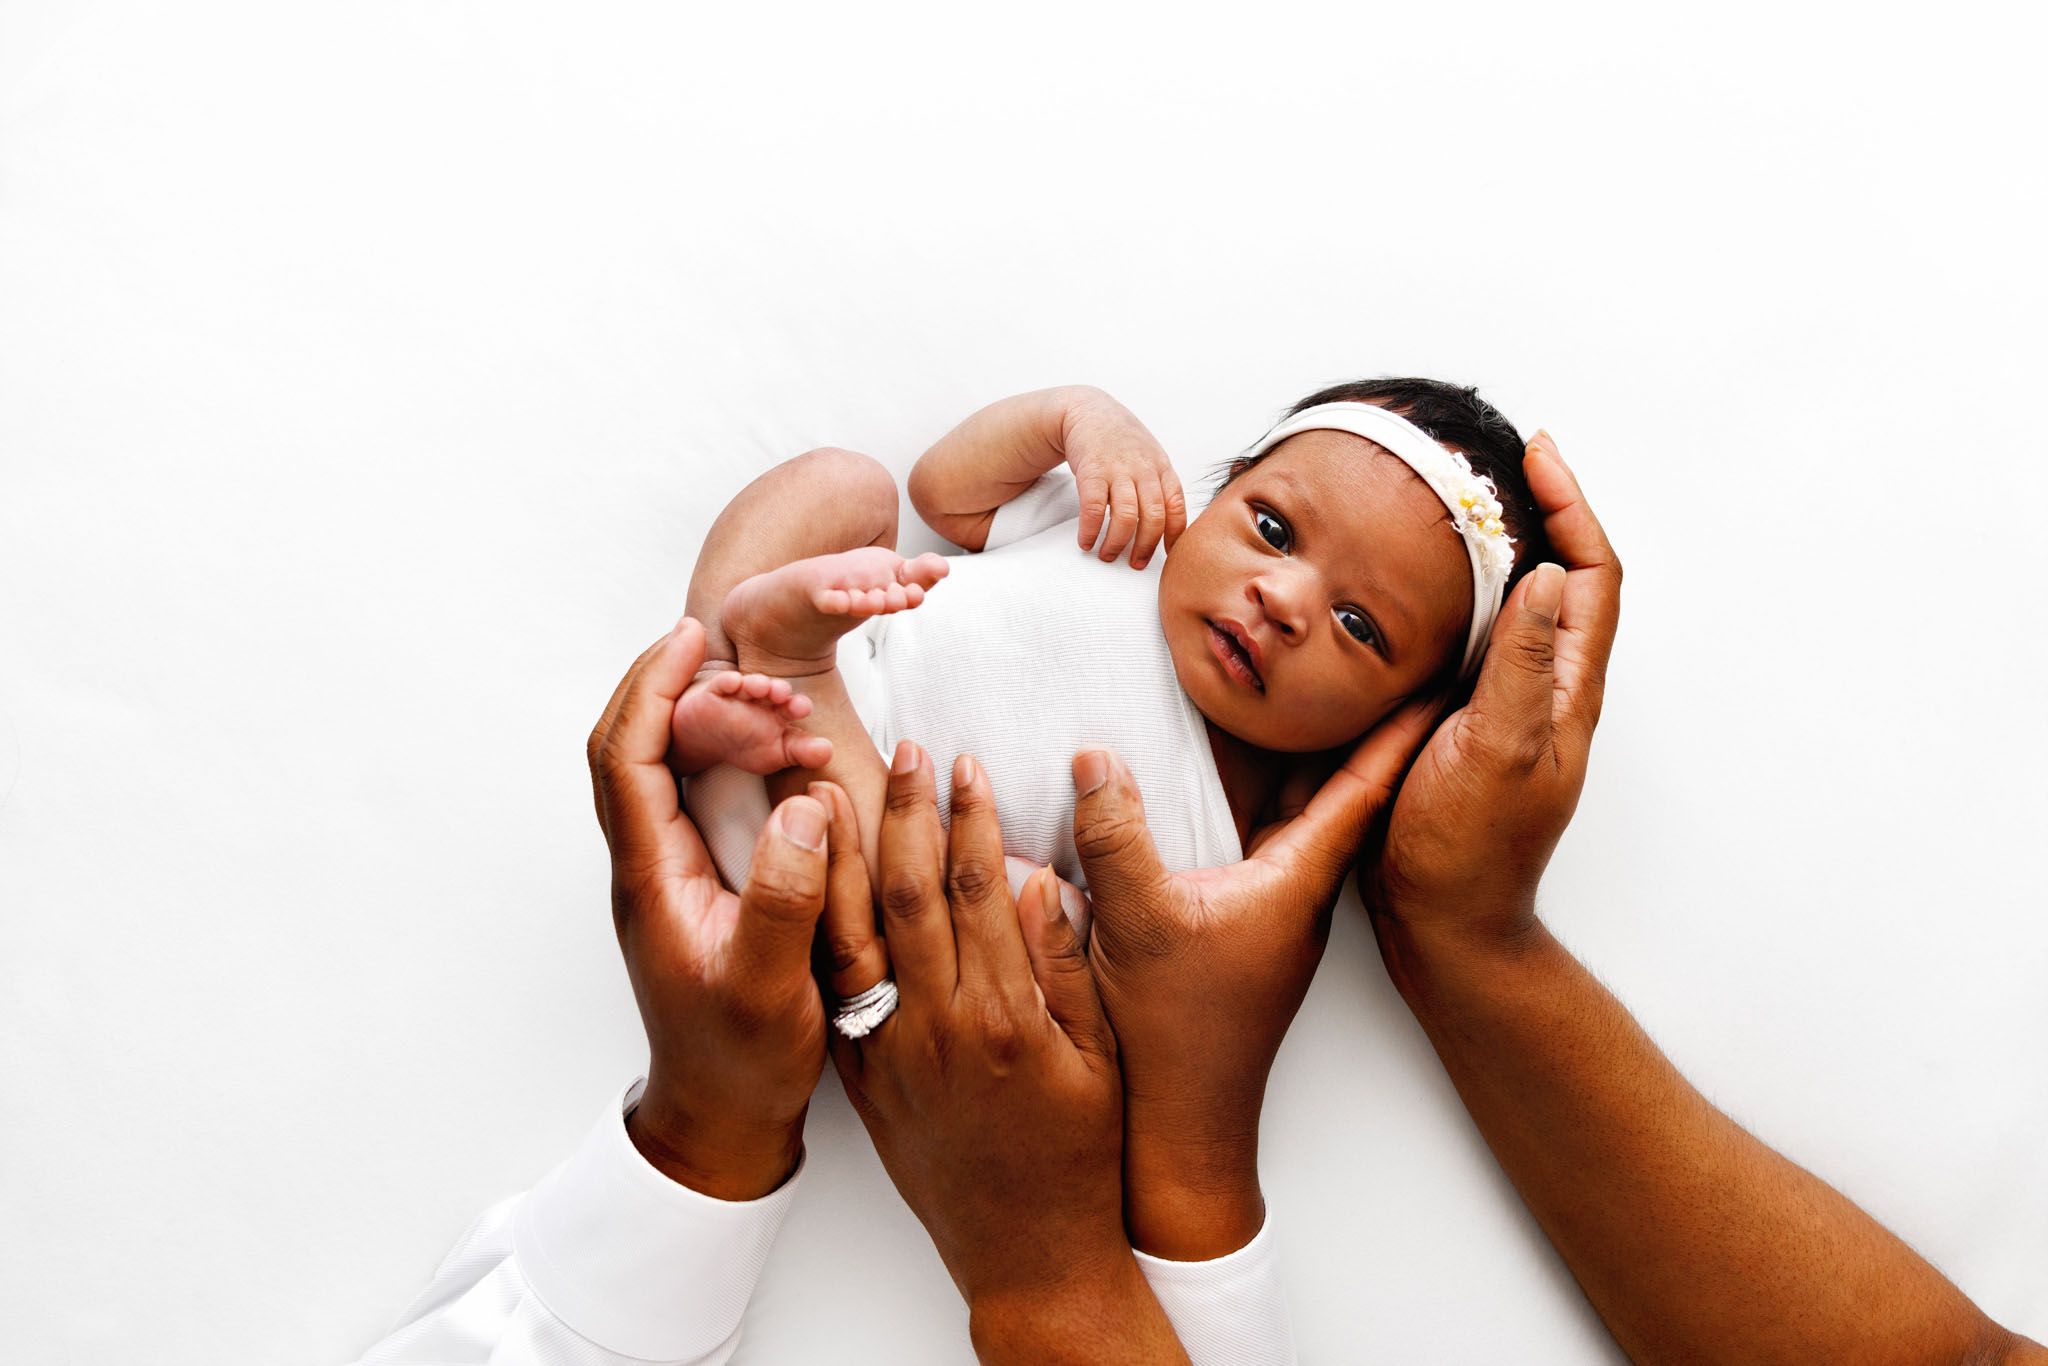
{"x":1026,"y":653}
{"x":369,"y":375}
{"x":608,"y":1263}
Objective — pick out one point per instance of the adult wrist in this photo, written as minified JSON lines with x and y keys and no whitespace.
{"x":727,"y":1157}
{"x":1468,"y":933}
{"x":1191,"y":1182}
{"x":1436,"y":960}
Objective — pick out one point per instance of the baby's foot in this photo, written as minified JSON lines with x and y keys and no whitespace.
{"x":787,"y":621}
{"x":744,"y":719}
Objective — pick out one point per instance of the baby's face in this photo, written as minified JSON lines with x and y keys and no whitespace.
{"x":1314,"y":594}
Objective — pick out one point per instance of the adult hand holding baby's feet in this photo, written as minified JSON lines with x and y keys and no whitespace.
{"x":1124,"y":479}
{"x":1201,"y":973}
{"x":1489,"y":796}
{"x":735,"y":1026}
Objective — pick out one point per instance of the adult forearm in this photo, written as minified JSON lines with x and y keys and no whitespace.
{"x":990,"y":458}
{"x":1693,"y":1240}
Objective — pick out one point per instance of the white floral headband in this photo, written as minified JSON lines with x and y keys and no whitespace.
{"x":1472,"y":500}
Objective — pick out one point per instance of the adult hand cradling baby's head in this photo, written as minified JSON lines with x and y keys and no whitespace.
{"x":1484,"y":806}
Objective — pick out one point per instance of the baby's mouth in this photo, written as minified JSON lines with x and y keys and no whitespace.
{"x":1236,"y":660}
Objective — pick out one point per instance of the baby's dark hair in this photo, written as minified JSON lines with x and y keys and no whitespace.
{"x":1460,"y":419}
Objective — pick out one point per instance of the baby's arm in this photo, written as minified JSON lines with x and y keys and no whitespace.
{"x":1120,"y":471}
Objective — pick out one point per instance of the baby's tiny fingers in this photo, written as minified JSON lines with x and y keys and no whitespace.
{"x":1151,"y":522}
{"x":1123,"y":519}
{"x":1176,"y":505}
{"x":1094,"y":493}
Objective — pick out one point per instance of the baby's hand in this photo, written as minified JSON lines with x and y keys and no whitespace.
{"x":1123,"y":477}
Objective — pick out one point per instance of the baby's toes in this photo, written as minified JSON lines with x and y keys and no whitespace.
{"x":796,"y":707}
{"x":779,"y":690}
{"x":913,"y":594}
{"x":807,"y":751}
{"x":894,"y":599}
{"x":833,"y":602}
{"x":924,"y":571}
{"x":723,"y":684}
{"x":758,"y":686}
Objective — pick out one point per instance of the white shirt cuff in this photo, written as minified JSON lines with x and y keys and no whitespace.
{"x":635,"y":1262}
{"x":1229,"y":1311}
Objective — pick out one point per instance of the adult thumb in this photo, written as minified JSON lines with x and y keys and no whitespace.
{"x":1060,"y":964}
{"x":1117,"y":854}
{"x":785,"y":891}
{"x":1512,"y":700}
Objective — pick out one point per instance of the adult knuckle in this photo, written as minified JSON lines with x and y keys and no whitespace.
{"x":903,"y":796}
{"x":1108,"y":836}
{"x":974,"y":879}
{"x":842,"y":950}
{"x":996,"y":1027}
{"x":779,"y":884}
{"x":905,"y":893}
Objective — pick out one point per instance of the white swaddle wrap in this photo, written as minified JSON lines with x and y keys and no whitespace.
{"x":1027,"y":652}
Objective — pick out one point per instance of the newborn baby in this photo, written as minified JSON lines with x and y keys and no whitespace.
{"x":1352,"y":559}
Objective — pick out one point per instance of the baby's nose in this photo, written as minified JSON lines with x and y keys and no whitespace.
{"x":1282,"y":597}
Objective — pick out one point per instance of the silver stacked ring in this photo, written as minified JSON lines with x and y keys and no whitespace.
{"x":860,"y":1015}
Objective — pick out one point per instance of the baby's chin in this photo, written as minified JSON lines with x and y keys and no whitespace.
{"x":1272,"y":732}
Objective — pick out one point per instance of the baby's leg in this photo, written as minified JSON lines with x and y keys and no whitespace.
{"x":822,"y":502}
{"x":800,"y":557}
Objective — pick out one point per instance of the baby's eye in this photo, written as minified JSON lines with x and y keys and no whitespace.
{"x":1355,"y":622}
{"x":1273,"y":529}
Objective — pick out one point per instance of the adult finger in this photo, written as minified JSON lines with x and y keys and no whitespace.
{"x":912,"y":845}
{"x":1512,"y":701}
{"x":693,"y":637}
{"x":851,"y":954}
{"x":1124,"y":874}
{"x":1176,"y":505}
{"x":784,"y":894}
{"x":636,"y":793}
{"x":991,"y":949}
{"x":1324,"y":840}
{"x":1123,"y":518}
{"x":1591,"y":609}
{"x":1060,"y":965}
{"x":1151,"y":520}
{"x":1093,"y":490}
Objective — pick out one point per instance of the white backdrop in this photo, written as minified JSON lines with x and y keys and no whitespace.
{"x":369,"y":374}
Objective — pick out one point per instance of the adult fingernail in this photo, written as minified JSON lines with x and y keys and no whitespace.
{"x":963,"y":771}
{"x":1091,"y":770}
{"x":1546,"y":590}
{"x":1049,"y":900}
{"x":906,"y":757}
{"x":804,"y":823}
